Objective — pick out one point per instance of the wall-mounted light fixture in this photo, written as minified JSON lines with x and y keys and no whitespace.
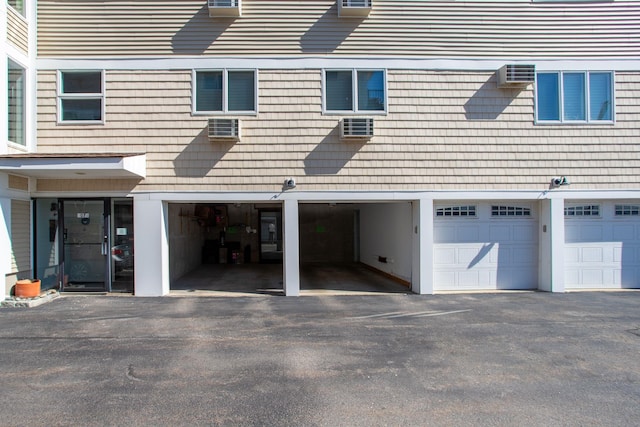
{"x":289,"y":183}
{"x":558,"y":181}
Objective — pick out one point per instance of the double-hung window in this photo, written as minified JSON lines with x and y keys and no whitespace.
{"x":356,"y":91}
{"x":225,"y":91}
{"x":574,"y":97}
{"x":16,"y":103}
{"x":81,"y":97}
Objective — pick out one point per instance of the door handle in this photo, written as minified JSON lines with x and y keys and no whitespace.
{"x":105,"y":249}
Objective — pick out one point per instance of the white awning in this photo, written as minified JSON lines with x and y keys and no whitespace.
{"x":76,"y":166}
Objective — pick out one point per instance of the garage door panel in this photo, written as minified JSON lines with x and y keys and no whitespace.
{"x":492,"y":252}
{"x":571,"y":254}
{"x":622,"y":232}
{"x":592,"y":255}
{"x":525,"y":233}
{"x":603,"y":251}
{"x":523,"y":255}
{"x":445,"y":256}
{"x":593,"y":277}
{"x":444,"y":234}
{"x":447,"y":279}
{"x":477,"y":255}
{"x":630,"y":278}
{"x":468,"y":234}
{"x":469,"y":279}
{"x":589,"y":233}
{"x":512,"y":278}
{"x":499,"y":233}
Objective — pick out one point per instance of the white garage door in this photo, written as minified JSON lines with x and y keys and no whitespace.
{"x":602,"y":245}
{"x":485,"y":246}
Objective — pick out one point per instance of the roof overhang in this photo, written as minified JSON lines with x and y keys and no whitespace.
{"x":76,"y":166}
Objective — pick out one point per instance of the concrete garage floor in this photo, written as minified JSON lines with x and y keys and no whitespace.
{"x":266,"y":279}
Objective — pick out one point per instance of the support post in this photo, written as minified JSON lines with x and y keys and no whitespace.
{"x":422,"y":262}
{"x":291,"y":248}
{"x":551,"y":246}
{"x":151,"y":247}
{"x":5,"y":244}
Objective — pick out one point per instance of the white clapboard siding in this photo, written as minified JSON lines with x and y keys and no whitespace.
{"x":288,"y":27}
{"x":17,"y":30}
{"x":444,"y":130}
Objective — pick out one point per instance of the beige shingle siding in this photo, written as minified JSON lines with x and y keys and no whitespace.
{"x":20,"y":236}
{"x":444,"y":130}
{"x":17,"y":30}
{"x":18,"y":183}
{"x":394,"y":27}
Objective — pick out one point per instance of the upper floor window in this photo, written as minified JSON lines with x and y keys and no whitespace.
{"x":18,"y":5}
{"x":354,"y":91}
{"x":575,"y":97}
{"x":225,"y":91}
{"x":16,"y":103}
{"x":81,"y":97}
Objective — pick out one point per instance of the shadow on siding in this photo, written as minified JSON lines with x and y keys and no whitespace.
{"x":199,"y":33}
{"x":488,"y":102}
{"x":328,"y":32}
{"x":331,"y":155}
{"x":200,"y":156}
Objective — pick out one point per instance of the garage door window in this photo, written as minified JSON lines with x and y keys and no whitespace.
{"x":627,"y":210}
{"x":510,"y":211}
{"x":580,"y":211}
{"x":456,"y":211}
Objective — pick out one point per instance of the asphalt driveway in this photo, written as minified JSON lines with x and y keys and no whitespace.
{"x":473,"y":359}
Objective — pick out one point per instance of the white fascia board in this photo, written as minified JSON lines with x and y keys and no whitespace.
{"x":380,"y":196}
{"x":338,"y":196}
{"x":593,"y":194}
{"x":301,"y":62}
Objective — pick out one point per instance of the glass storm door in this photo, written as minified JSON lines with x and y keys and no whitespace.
{"x":270,"y":236}
{"x":85,"y":245}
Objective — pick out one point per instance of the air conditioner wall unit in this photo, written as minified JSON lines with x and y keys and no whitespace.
{"x":361,"y":128}
{"x":228,"y":129}
{"x":354,"y":8}
{"x":224,"y":8}
{"x":516,"y":75}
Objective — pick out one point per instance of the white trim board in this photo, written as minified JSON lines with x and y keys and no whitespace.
{"x":297,"y":63}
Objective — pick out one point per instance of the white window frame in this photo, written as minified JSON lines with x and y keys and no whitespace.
{"x":25,"y":5}
{"x":225,"y":103}
{"x":60,"y":96}
{"x":581,"y":207}
{"x":459,"y":208}
{"x":24,"y":103}
{"x":507,"y":211}
{"x":587,"y":120}
{"x":354,"y":93}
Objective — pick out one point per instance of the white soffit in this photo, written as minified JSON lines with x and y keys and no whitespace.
{"x":76,"y":166}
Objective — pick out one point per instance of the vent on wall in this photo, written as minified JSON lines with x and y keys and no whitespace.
{"x":225,"y":8}
{"x":356,"y":128}
{"x":354,"y":8}
{"x":516,"y":75}
{"x":224,"y":129}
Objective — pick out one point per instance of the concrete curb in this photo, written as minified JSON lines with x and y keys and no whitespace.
{"x":44,"y":297}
